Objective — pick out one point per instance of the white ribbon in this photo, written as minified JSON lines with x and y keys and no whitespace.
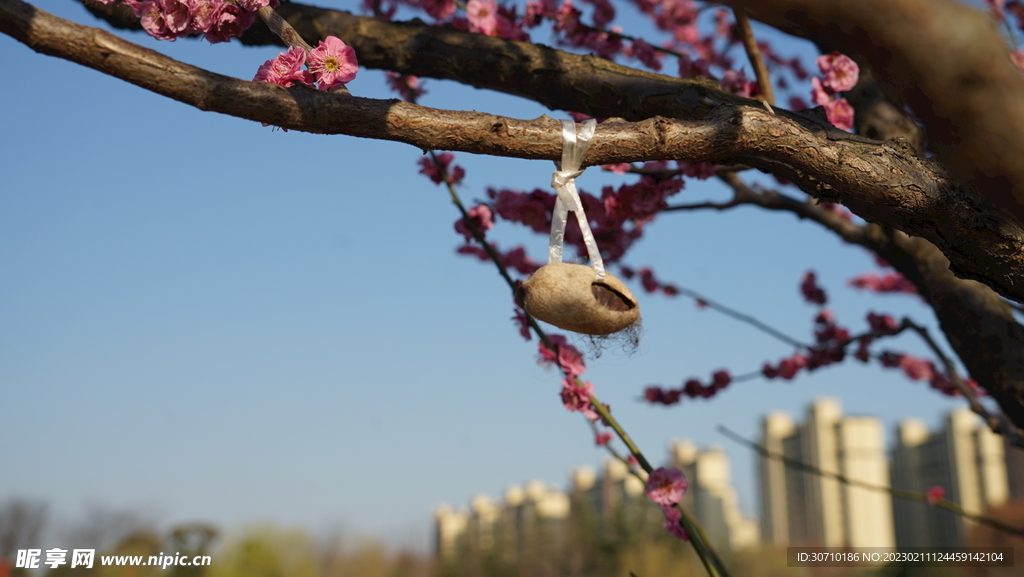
{"x":574,"y":146}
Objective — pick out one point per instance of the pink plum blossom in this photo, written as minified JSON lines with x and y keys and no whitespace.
{"x":935,"y":494}
{"x":439,"y":9}
{"x":577,"y":397}
{"x":737,"y":83}
{"x":840,"y":114}
{"x":204,"y":14}
{"x":333,"y":63}
{"x":810,"y":289}
{"x":672,"y":518}
{"x":892,"y":282}
{"x":819,"y":95}
{"x":621,"y":168}
{"x":666,"y":486}
{"x":285,"y":69}
{"x":604,"y":12}
{"x":916,"y":368}
{"x":840,"y":71}
{"x":254,"y":5}
{"x":229,"y":22}
{"x":482,"y":16}
{"x":435,"y":173}
{"x":537,"y":10}
{"x":568,"y":358}
{"x":407,"y":86}
{"x":645,"y":53}
{"x":524,"y":326}
{"x":153,"y":20}
{"x":567,"y":19}
{"x":177,"y":16}
{"x":882,"y":323}
{"x":481,"y":217}
{"x":603,"y":439}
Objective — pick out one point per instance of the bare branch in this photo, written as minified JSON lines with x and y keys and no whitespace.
{"x":764,"y":82}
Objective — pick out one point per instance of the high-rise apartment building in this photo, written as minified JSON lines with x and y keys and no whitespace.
{"x":965,"y":459}
{"x":803,"y":508}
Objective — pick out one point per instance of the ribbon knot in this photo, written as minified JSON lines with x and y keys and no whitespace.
{"x":563,"y":180}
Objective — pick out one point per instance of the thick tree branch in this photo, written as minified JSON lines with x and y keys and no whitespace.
{"x":946,"y":60}
{"x":882,"y":182}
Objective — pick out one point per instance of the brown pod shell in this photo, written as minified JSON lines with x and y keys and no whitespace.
{"x":569,"y":297}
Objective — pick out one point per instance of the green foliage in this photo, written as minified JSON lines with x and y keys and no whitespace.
{"x":267,"y":552}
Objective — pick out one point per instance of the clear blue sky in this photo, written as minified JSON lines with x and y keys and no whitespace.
{"x":212,"y":320}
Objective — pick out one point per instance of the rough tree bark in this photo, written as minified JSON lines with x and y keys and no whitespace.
{"x":967,"y":95}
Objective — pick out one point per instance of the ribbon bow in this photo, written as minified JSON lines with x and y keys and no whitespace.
{"x":574,"y":147}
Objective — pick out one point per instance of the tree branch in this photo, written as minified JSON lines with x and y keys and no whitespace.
{"x":944,"y":59}
{"x":764,"y":82}
{"x":882,"y":182}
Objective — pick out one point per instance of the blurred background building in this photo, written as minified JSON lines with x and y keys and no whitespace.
{"x":965,"y":458}
{"x":801,"y":507}
{"x":599,"y":508}
{"x":974,"y":467}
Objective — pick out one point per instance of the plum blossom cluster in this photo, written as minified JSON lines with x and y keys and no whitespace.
{"x":830,"y":347}
{"x":479,"y":217}
{"x":697,"y":53}
{"x":921,"y":369}
{"x":408,"y":86}
{"x":437,"y":171}
{"x":698,"y":170}
{"x":840,"y":74}
{"x":692,"y":389}
{"x":648,"y":281}
{"x":515,"y":258}
{"x":836,"y":209}
{"x":735,"y":81}
{"x":216,"y":20}
{"x":332,"y":63}
{"x":481,"y":16}
{"x":666,"y":487}
{"x":811,"y":291}
{"x":831,"y":340}
{"x":885,"y":282}
{"x":889,"y":282}
{"x":575,"y":392}
{"x":617,"y":219}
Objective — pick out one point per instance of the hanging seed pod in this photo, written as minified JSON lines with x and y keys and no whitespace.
{"x":568,"y":296}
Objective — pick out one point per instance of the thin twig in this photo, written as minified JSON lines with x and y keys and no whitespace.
{"x":698,"y":538}
{"x":742,"y":317}
{"x":764,"y":82}
{"x":997,"y":423}
{"x":282,"y":28}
